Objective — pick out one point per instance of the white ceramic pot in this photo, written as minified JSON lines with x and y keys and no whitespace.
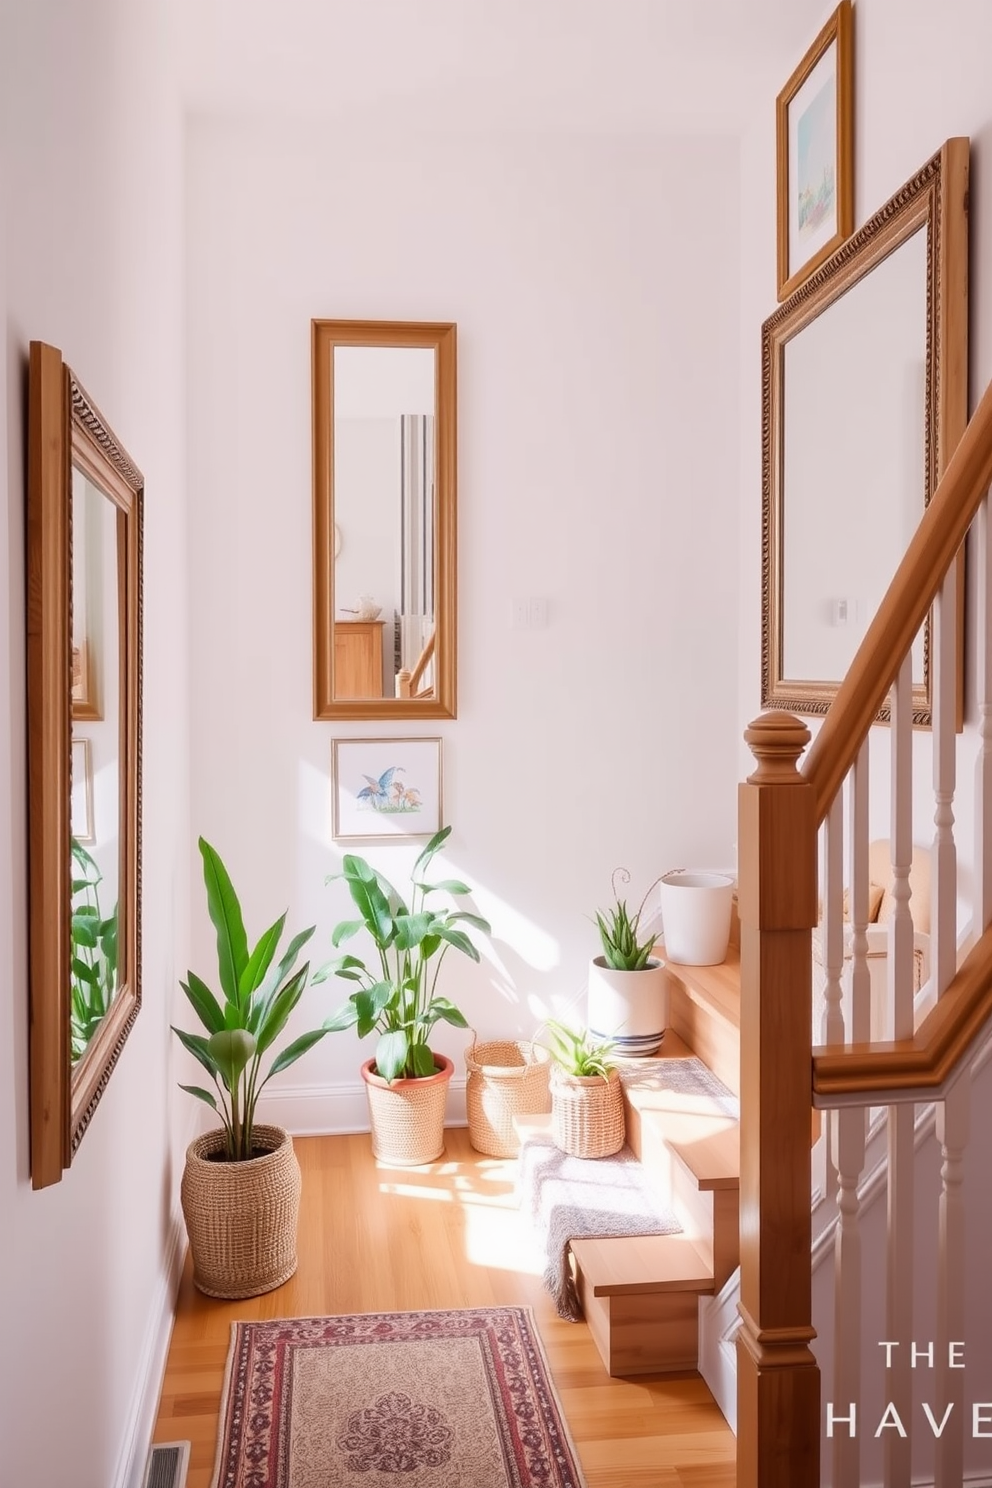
{"x":630,"y":1007}
{"x":695,"y":913}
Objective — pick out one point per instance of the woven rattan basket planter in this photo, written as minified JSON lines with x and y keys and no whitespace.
{"x":505,"y":1079}
{"x":407,"y":1117}
{"x":241,"y":1217}
{"x":587,"y":1113}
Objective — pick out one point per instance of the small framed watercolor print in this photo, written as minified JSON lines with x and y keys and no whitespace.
{"x":383,"y":788}
{"x":815,"y":154}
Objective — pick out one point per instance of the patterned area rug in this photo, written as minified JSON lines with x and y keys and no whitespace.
{"x":459,"y":1399}
{"x":571,"y":1198}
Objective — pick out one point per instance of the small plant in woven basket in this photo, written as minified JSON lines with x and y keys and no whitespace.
{"x":397,"y":997}
{"x":579,"y":1052}
{"x":587,"y":1115}
{"x":258,"y":997}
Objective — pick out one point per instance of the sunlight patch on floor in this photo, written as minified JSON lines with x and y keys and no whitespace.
{"x":417,"y":1191}
{"x":496,"y":1235}
{"x":501,"y":1240}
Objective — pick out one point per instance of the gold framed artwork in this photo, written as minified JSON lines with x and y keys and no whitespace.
{"x":815,"y":153}
{"x":387,"y":789}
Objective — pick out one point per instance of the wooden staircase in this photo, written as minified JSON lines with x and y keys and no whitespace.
{"x":640,"y":1295}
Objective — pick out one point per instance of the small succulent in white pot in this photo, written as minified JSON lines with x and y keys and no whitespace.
{"x":628,"y":986}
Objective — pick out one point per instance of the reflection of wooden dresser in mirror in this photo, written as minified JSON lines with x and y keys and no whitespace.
{"x":358,"y":658}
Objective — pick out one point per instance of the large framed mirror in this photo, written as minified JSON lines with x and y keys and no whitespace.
{"x":84,"y":525}
{"x":865,"y":396}
{"x":384,"y":519}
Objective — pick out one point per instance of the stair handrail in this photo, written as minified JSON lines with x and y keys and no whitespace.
{"x":408,"y":681}
{"x":921,"y":1067}
{"x":914,"y":587}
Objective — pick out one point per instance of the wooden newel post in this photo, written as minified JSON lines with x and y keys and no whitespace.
{"x":778,"y":1382}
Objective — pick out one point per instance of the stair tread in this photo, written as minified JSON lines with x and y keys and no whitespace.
{"x":619,"y":1266}
{"x":713,"y":1157}
{"x":687,"y":1106}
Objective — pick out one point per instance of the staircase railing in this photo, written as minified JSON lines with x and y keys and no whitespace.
{"x":785,"y":813}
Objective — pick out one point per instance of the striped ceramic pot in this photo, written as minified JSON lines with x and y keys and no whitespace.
{"x":629,"y":1007}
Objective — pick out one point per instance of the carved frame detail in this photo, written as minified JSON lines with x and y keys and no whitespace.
{"x":936,"y":199}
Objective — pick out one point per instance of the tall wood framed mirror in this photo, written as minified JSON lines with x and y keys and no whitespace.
{"x":384,"y":519}
{"x":865,"y":396}
{"x":84,"y":525}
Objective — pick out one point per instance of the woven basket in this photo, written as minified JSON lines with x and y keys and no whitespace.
{"x":587,"y":1113}
{"x":505,"y":1079}
{"x":241,"y":1217}
{"x":407,"y":1117}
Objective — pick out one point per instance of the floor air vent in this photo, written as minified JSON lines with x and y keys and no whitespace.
{"x":167,"y":1463}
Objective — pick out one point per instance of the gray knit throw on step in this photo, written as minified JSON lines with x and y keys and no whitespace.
{"x":571,"y":1198}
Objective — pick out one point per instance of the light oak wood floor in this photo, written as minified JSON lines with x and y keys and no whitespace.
{"x":379,"y":1239}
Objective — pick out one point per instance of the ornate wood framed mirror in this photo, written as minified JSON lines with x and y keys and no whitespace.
{"x":865,"y":396}
{"x":84,"y":524}
{"x":384,"y":519}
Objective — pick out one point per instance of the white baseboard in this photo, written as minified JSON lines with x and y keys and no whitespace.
{"x":143,"y":1408}
{"x":304,"y":1110}
{"x":719,"y":1321}
{"x":334,"y":1110}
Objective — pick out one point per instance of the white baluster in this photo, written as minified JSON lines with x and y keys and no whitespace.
{"x":899,"y":1277}
{"x":944,"y":877}
{"x":982,"y":536}
{"x":860,"y":1018}
{"x":832,"y":951}
{"x":953,"y":1123}
{"x":847,"y":1134}
{"x":833,"y":922}
{"x":849,"y":1149}
{"x":900,"y":957}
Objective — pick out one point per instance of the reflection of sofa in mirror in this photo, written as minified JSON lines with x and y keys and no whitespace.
{"x":881,"y":907}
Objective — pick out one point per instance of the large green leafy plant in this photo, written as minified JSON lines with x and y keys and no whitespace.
{"x":396,"y":996}
{"x":258,"y":995}
{"x":93,"y":979}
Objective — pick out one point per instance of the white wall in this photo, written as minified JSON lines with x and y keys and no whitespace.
{"x":594,"y":284}
{"x":919,"y":79}
{"x":90,"y":204}
{"x":921,"y":76}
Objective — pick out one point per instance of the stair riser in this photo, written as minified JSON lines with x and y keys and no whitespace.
{"x":657,"y":1333}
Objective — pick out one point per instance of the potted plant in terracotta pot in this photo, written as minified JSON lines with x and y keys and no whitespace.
{"x":240,"y":1189}
{"x":406,"y":1081}
{"x":628,"y":987}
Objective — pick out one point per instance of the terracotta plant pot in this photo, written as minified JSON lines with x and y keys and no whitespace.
{"x":242,"y":1217}
{"x":629,"y":1007}
{"x":407,"y":1117}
